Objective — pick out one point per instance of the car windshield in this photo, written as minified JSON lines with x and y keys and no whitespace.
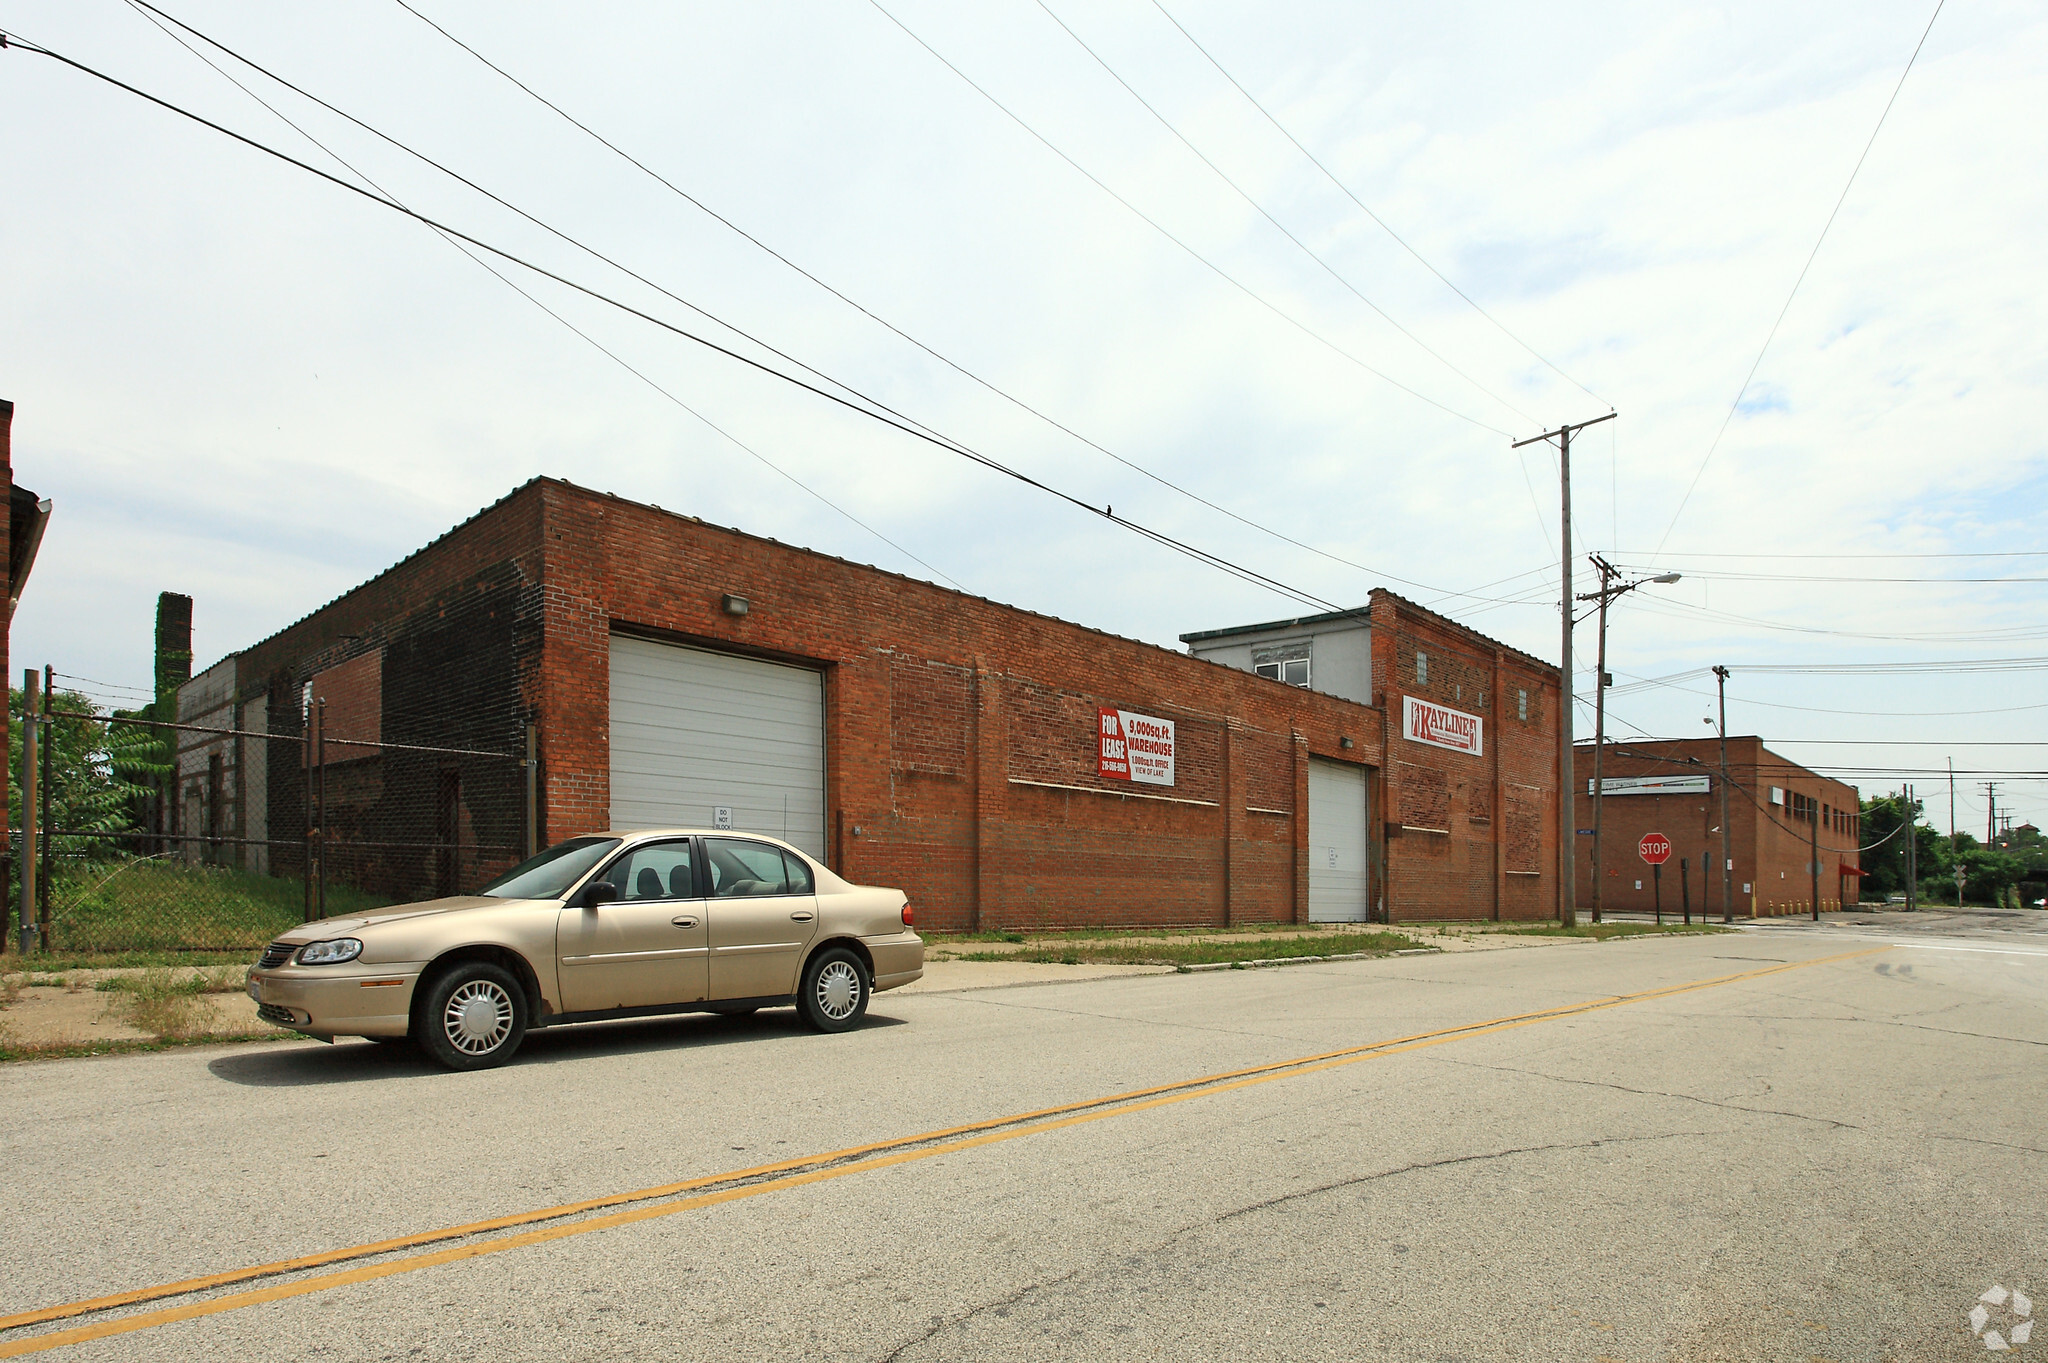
{"x":549,"y":875}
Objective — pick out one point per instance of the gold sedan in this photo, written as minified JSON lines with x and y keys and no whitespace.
{"x":607,"y":926}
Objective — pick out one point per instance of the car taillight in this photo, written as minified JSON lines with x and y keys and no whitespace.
{"x":906,"y":915}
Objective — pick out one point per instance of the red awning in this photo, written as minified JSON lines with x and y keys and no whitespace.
{"x":1848,"y":870}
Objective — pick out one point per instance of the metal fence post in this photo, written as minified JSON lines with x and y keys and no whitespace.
{"x":30,"y":682}
{"x":320,"y":823}
{"x":49,"y":848}
{"x":306,"y":810}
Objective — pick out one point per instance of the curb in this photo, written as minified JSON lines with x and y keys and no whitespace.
{"x":1304,"y":960}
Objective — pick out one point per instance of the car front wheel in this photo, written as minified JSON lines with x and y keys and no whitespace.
{"x":834,"y":996}
{"x":473,"y":1016}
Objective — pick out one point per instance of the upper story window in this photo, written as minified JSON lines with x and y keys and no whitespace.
{"x":1421,"y":668}
{"x":1522,"y":704}
{"x":1283,"y":663}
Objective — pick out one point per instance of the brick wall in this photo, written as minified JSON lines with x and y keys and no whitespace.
{"x":960,"y":733}
{"x":1768,"y":843}
{"x":442,"y":650}
{"x":1467,"y":836}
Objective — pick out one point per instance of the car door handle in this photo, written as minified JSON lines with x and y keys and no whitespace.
{"x":801,"y":916}
{"x":685,"y":922}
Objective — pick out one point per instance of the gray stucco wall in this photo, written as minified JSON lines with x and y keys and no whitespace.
{"x":1340,"y":654}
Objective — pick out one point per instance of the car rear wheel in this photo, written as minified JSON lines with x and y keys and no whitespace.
{"x":472,"y":1017}
{"x":834,"y":995}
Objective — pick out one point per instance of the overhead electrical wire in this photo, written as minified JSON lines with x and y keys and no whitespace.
{"x":1346,"y":191}
{"x":1676,"y":554}
{"x":1667,"y":606}
{"x":1262,"y":211}
{"x":1642,"y":683}
{"x":1726,"y":575}
{"x":742,"y":232}
{"x":867,"y":312}
{"x":164,"y":21}
{"x":1770,"y":336}
{"x":1162,"y":230}
{"x":1239,"y":571}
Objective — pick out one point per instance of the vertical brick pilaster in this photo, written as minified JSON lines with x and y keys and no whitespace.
{"x":991,"y":793}
{"x":1233,"y":821}
{"x":1300,"y":823}
{"x":1500,"y":789}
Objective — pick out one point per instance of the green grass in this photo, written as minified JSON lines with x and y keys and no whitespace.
{"x":70,"y":1050}
{"x":1601,"y":932}
{"x":168,"y":981}
{"x":160,"y":907}
{"x":48,"y":968}
{"x":1200,"y":953}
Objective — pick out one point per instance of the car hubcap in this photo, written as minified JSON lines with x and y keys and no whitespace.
{"x":838,"y":990}
{"x":479,"y":1017}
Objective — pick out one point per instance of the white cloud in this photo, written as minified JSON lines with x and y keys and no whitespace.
{"x":239,"y":383}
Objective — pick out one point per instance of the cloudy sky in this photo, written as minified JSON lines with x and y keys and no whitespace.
{"x":244,"y":383}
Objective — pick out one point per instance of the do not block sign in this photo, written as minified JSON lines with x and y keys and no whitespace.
{"x":1655,"y":849}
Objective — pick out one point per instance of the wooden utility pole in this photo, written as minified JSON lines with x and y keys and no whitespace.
{"x":1568,"y":840}
{"x":1727,"y":859}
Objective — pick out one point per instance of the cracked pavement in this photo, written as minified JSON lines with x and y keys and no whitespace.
{"x":1794,"y":1165}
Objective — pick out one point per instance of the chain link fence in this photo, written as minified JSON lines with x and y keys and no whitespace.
{"x":218,"y":839}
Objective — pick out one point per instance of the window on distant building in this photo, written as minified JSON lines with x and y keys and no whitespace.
{"x":1421,"y":668}
{"x":1522,"y":704}
{"x":1283,"y":663}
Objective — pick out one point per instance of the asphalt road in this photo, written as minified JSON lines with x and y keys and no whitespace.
{"x":1792,"y":1142}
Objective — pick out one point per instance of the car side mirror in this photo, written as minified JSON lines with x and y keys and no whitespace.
{"x":598,"y":892}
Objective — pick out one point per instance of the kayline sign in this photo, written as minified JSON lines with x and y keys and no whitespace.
{"x":1442,"y":727}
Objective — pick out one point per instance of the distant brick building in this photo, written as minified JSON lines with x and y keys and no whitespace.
{"x":1004,"y":768}
{"x":1777,"y":810}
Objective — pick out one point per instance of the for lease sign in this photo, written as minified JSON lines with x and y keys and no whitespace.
{"x":1443,"y":727}
{"x":1135,"y":747}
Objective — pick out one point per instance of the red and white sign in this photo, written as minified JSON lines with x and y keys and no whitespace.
{"x":1442,"y":727}
{"x":1135,"y":747}
{"x":1655,"y":848}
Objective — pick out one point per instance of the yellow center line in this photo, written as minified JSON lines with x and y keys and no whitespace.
{"x":769,"y":1178}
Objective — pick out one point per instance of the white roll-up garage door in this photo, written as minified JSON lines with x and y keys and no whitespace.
{"x":1338,"y":884}
{"x":694,"y":732}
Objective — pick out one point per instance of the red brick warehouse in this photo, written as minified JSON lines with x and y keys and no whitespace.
{"x":680,"y":673}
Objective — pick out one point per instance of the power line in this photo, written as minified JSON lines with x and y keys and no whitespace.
{"x":1683,"y":609}
{"x":1279,"y":226}
{"x":1810,"y":256}
{"x":1923,"y":742}
{"x":1346,"y":191}
{"x":1725,"y":575}
{"x":865,"y":311}
{"x":1642,"y":683}
{"x":1677,"y":554}
{"x":158,"y":18}
{"x":942,"y":442}
{"x":1156,"y":226}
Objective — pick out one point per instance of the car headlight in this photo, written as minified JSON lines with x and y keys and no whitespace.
{"x":331,"y":953}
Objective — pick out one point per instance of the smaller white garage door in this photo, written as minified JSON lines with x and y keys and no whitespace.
{"x":1339,"y":887}
{"x":696,"y":732}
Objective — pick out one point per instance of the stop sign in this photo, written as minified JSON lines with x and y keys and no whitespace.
{"x":1655,"y":848}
